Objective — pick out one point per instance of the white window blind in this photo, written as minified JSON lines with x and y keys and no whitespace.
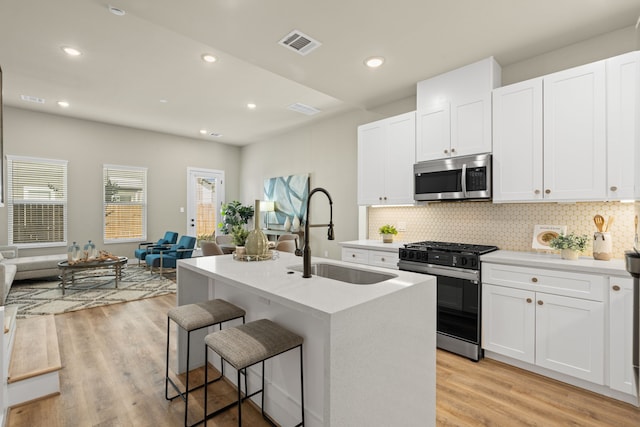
{"x":37,"y":201}
{"x":125,"y":203}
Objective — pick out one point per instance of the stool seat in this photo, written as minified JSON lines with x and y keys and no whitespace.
{"x":195,"y":316}
{"x":253,"y":342}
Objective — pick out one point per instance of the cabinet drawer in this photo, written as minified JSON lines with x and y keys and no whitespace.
{"x":359,"y":256}
{"x":384,"y":259}
{"x":577,"y":285}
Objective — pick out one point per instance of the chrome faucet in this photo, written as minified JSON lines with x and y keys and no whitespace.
{"x":306,"y":251}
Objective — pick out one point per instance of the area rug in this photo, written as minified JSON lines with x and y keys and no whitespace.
{"x":38,"y":297}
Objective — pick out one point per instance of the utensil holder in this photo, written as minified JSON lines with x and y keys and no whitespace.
{"x":602,"y":246}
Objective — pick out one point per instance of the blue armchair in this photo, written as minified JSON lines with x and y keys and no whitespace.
{"x":170,"y":238}
{"x":168,"y":258}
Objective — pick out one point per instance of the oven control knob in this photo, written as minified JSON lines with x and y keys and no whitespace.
{"x":463,"y":261}
{"x":424,"y":256}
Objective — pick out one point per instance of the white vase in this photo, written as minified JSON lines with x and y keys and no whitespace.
{"x":602,"y":246}
{"x":296,"y":224}
{"x":569,"y":254}
{"x":387,"y":238}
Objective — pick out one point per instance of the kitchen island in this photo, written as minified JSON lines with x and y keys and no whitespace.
{"x":369,"y":350}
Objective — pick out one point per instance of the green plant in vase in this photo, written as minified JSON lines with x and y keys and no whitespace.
{"x":387,"y":231}
{"x":234,"y":213}
{"x":570,"y":245}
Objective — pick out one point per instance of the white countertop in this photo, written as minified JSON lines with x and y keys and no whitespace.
{"x":614,"y":267}
{"x":374,"y":244}
{"x":320,"y":296}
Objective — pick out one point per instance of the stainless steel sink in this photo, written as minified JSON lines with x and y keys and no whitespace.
{"x":341,"y":273}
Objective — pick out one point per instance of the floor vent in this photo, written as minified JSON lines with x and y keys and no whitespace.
{"x":30,"y":98}
{"x":304,"y":109}
{"x":299,"y":42}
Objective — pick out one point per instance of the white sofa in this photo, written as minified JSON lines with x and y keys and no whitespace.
{"x":14,"y":267}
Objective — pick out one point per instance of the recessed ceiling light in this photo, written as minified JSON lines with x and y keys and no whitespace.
{"x":71,"y":51}
{"x":30,"y":98}
{"x":116,"y":11}
{"x":207,"y":57}
{"x":203,"y":131}
{"x":251,"y":106}
{"x":63,"y":104}
{"x":163,"y":101}
{"x":374,"y":61}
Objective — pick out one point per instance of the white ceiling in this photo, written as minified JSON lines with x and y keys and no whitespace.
{"x":153,"y":52}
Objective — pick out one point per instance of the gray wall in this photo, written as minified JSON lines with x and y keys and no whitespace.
{"x":88,"y":145}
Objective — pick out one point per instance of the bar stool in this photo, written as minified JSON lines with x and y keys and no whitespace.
{"x":245,"y":345}
{"x":192,"y":317}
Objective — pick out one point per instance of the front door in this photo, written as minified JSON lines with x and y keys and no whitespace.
{"x":205,"y":194}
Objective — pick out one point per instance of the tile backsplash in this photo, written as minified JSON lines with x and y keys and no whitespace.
{"x":508,"y":226}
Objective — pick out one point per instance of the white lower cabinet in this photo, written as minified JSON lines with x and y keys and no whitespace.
{"x":621,"y":335}
{"x":560,"y":333}
{"x":552,"y":319}
{"x":378,"y":258}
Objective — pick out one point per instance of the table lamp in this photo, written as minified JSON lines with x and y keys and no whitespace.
{"x":267,"y":206}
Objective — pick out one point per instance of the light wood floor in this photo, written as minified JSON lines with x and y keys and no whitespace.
{"x":113,"y":368}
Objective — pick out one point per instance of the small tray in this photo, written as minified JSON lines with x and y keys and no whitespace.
{"x":266,"y":257}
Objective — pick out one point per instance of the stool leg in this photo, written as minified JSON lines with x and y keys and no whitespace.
{"x":301,"y":387}
{"x":186,"y":389}
{"x":239,"y":401}
{"x":206,"y":382}
{"x":166,"y":372}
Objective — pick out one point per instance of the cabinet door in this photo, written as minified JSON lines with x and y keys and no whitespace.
{"x":575,"y":154}
{"x":471,"y":125}
{"x":517,"y":142}
{"x":384,"y":259}
{"x":508,"y":322}
{"x":433,"y":133}
{"x":358,"y":256}
{"x":570,"y":336}
{"x":621,"y":335}
{"x":623,"y":134}
{"x":371,"y":162}
{"x":400,"y":157}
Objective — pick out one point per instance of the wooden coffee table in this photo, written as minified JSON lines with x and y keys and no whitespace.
{"x":79,"y":275}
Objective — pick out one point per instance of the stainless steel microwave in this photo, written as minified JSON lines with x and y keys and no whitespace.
{"x":455,"y":178}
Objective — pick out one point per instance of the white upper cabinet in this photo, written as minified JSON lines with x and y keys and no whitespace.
{"x":623,"y":132}
{"x":569,"y":136}
{"x":575,"y":148}
{"x":517,"y":142}
{"x":386,"y":154}
{"x":453,"y":115}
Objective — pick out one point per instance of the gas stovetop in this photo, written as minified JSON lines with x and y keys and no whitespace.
{"x":452,"y":247}
{"x":458,"y":255}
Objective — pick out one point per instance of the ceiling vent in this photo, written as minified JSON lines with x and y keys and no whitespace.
{"x":299,"y":42}
{"x":304,"y":109}
{"x":30,"y":98}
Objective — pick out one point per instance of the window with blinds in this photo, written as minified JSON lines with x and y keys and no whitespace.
{"x":125,"y":203}
{"x":36,"y":201}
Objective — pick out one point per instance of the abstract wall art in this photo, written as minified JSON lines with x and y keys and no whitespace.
{"x":290,"y":194}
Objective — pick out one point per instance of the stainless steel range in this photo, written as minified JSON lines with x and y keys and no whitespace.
{"x":457,"y":268}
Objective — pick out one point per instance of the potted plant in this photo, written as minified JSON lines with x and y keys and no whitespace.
{"x":234,"y":213}
{"x":570,"y":245}
{"x":387,"y":231}
{"x":239,"y":237}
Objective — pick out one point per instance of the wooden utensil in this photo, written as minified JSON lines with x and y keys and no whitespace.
{"x":609,"y":223}
{"x":599,"y":221}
